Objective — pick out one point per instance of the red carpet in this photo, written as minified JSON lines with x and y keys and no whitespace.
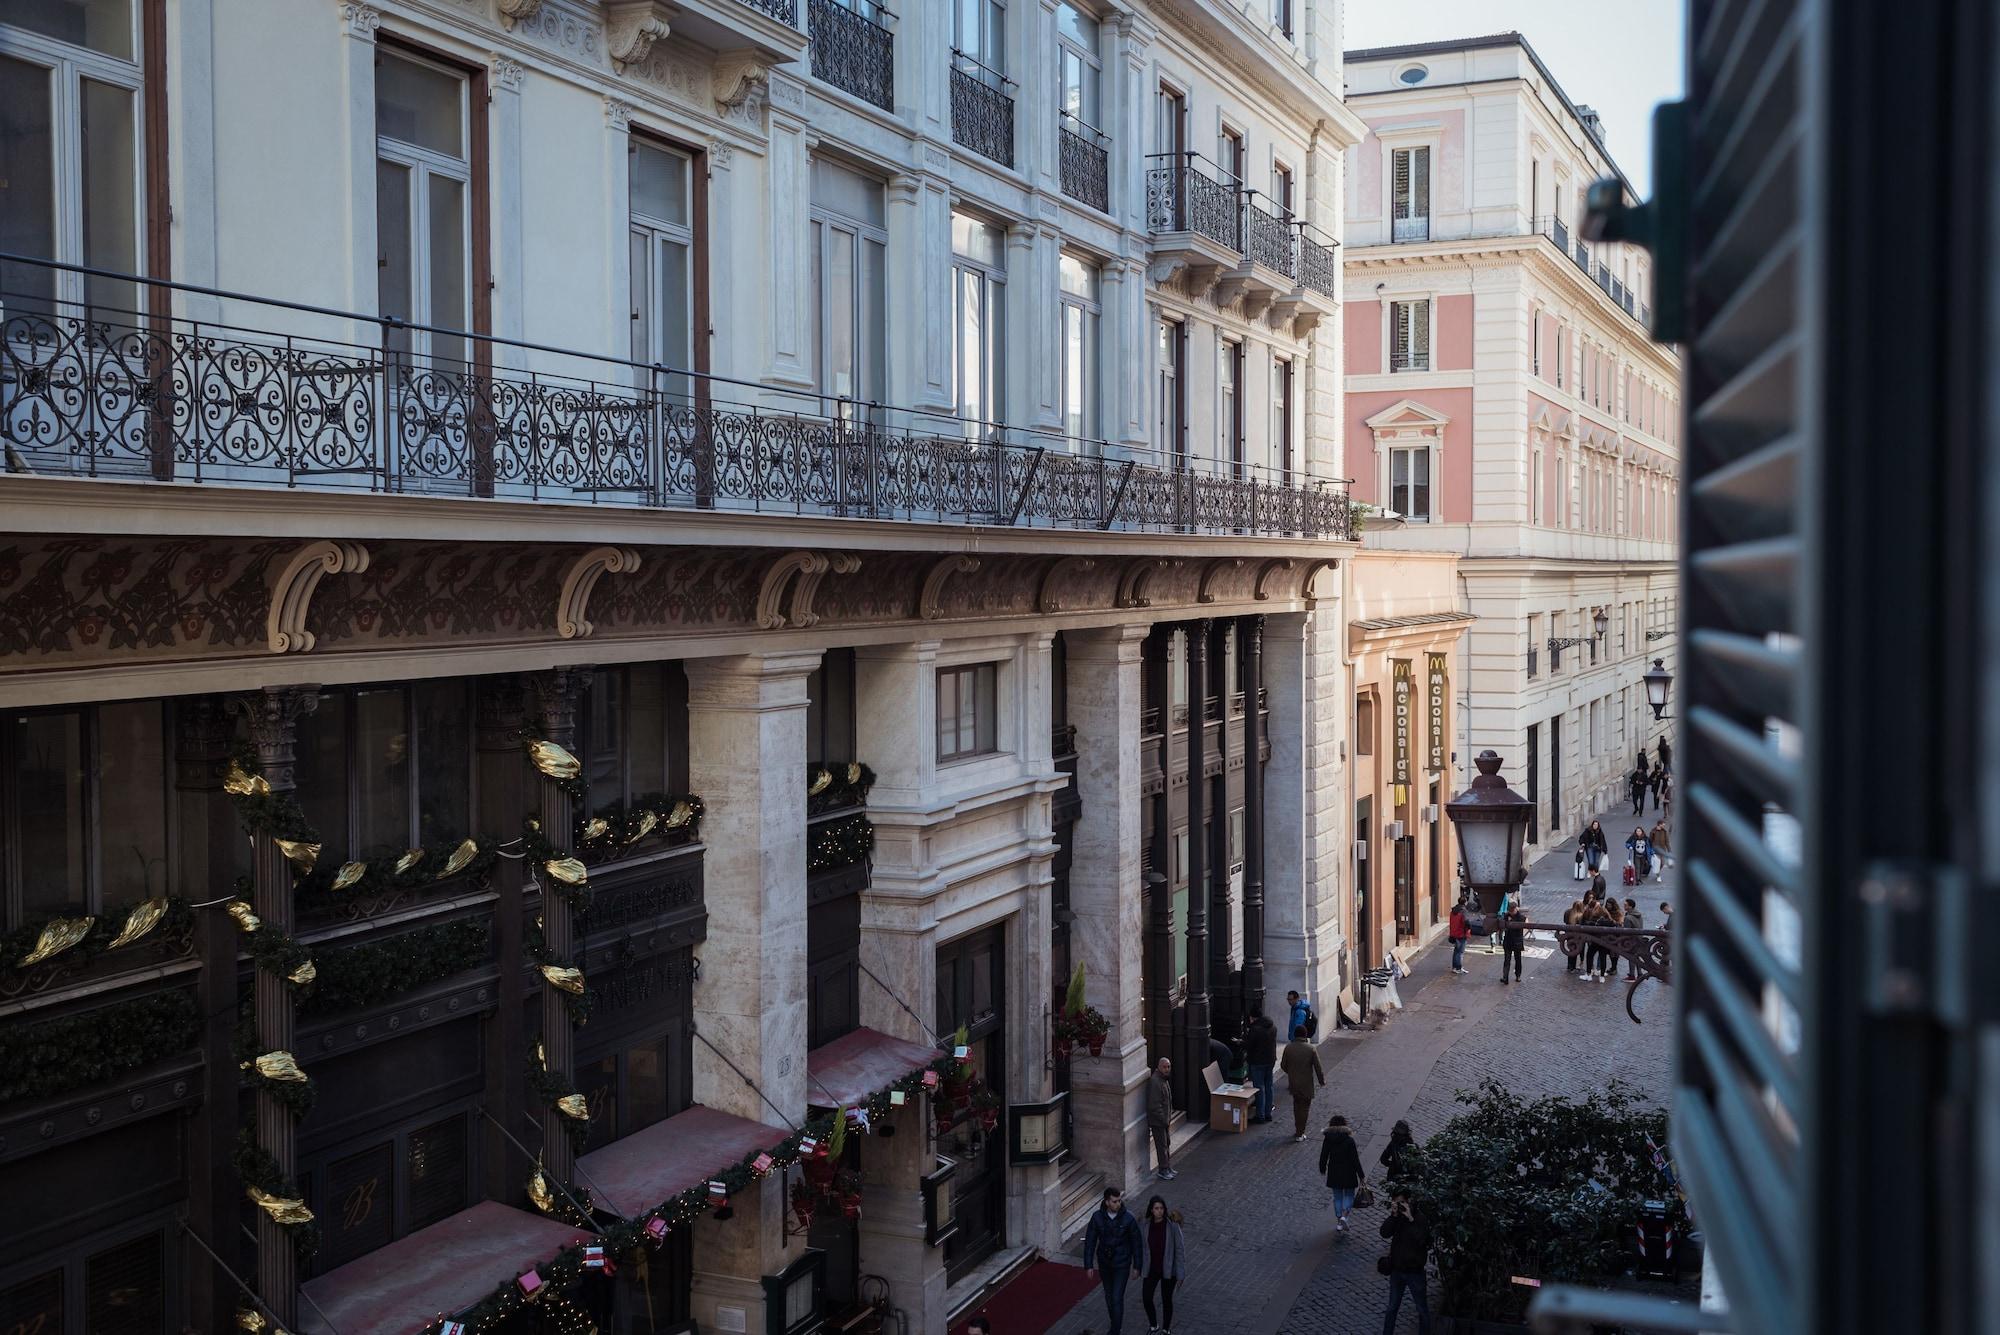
{"x":1033,"y":1300}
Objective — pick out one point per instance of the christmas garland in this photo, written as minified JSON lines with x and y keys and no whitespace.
{"x":839,"y":843}
{"x":356,"y":977}
{"x":266,"y":1184}
{"x":555,"y":1089}
{"x":832,"y":786}
{"x":51,"y":1057}
{"x":675,"y":817}
{"x":84,"y":937}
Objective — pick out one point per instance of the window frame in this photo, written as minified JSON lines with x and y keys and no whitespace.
{"x":1415,"y":363}
{"x":423,"y":164}
{"x":1170,"y":390}
{"x":1088,"y":313}
{"x":1418,"y":187}
{"x":347,"y":841}
{"x":990,"y":281}
{"x":1426,"y":451}
{"x":673,"y":739}
{"x":658,"y":231}
{"x":1284,"y":395}
{"x":986,"y":740}
{"x":1230,"y":446}
{"x":1090,"y":71}
{"x":825,"y":223}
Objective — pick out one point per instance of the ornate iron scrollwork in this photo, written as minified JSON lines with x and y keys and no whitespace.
{"x":982,"y":115}
{"x":853,"y":53}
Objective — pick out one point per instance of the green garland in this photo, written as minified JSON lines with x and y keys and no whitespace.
{"x":379,"y":875}
{"x":675,"y":817}
{"x":551,"y":1087}
{"x":51,"y":1057}
{"x":355,"y":977}
{"x":256,"y":1168}
{"x":832,"y":785}
{"x":17,"y":944}
{"x":839,"y":843}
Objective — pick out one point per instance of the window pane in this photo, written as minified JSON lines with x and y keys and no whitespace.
{"x":417,"y":104}
{"x":641,"y":255}
{"x":1079,"y":278}
{"x":132,"y":817}
{"x":393,"y":294}
{"x":33,"y":1304}
{"x":51,"y":812}
{"x":444,"y":761}
{"x":321,"y":748}
{"x":986,"y":708}
{"x":448,"y":279}
{"x":839,"y":376}
{"x":603,"y":754}
{"x":382,"y":772}
{"x":850,"y":194}
{"x":124,"y":1289}
{"x":972,"y":336}
{"x":110,"y":175}
{"x":646,"y":729}
{"x":645,"y":1086}
{"x":598,"y":1083}
{"x":100,"y":25}
{"x":976,"y":240}
{"x":1075,"y":423}
{"x":874,"y":323}
{"x":676,"y":314}
{"x":1073,"y":23}
{"x":660,"y":184}
{"x":27,"y":180}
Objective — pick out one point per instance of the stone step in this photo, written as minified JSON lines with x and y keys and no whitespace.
{"x":1082,"y":1187}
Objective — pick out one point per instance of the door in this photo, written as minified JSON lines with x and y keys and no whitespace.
{"x":1437,"y":877}
{"x":1534,"y":783}
{"x":1555,"y":773}
{"x":1364,"y":819}
{"x":971,"y":982}
{"x":1406,"y":887}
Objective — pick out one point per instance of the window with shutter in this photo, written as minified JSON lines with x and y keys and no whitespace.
{"x":1410,"y":172}
{"x":1410,"y":335}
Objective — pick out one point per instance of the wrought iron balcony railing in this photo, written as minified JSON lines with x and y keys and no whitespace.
{"x":782,"y":10}
{"x":1410,"y":229}
{"x":852,"y":50}
{"x":982,"y":114}
{"x":1187,"y":193}
{"x":277,"y":394}
{"x":1319,"y":267}
{"x":1084,"y":155}
{"x":1575,"y":249}
{"x":1268,"y":237}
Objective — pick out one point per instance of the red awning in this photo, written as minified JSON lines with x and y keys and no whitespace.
{"x":855,"y":1065}
{"x":443,"y":1268}
{"x":634,"y":1175}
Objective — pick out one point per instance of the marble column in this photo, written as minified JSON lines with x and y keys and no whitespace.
{"x":746,"y":759}
{"x":1107,"y":895}
{"x":1251,"y":637}
{"x":553,"y":698}
{"x":272,"y":717}
{"x":1156,"y":665}
{"x":1197,"y":865}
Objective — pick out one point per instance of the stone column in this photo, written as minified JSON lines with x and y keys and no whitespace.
{"x":1221,"y":934}
{"x":746,"y":760}
{"x":1290,"y":955}
{"x":1159,"y":872}
{"x":1251,"y":637}
{"x":552,"y":702}
{"x":1107,"y":895}
{"x":1197,"y":862}
{"x":272,"y":715}
{"x":503,"y":785}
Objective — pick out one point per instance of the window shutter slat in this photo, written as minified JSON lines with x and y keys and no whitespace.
{"x":1420,"y":334}
{"x":1420,"y":183}
{"x":1400,"y":185}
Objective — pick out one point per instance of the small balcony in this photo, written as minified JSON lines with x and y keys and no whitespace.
{"x":1269,"y":269}
{"x":1194,"y":212}
{"x":1316,"y":294}
{"x":765,"y":31}
{"x":982,"y":113}
{"x":1084,"y":155}
{"x":1410,"y":229}
{"x":1578,"y":252}
{"x":853,"y":49}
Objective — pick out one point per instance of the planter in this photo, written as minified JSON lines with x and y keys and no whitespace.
{"x":1096,"y":1044}
{"x":818,"y":1172}
{"x":850,"y":1206}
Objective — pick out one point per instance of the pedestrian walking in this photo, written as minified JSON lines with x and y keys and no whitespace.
{"x":1638,"y":781}
{"x":1594,"y":846}
{"x":1260,"y":1044}
{"x":1407,"y":1263}
{"x":1493,"y":923}
{"x":1666,"y":916}
{"x":1515,"y":940}
{"x":1340,"y":1162}
{"x":1112,"y":1245}
{"x":1658,"y":783}
{"x":1663,"y":848}
{"x":1641,"y":850}
{"x":1572,"y":916}
{"x":1666,"y":749}
{"x":1634,"y":922}
{"x":1161,"y":1265}
{"x":1160,"y":1116}
{"x":1457,"y":932}
{"x":1302,"y":1069}
{"x":1593,"y":953}
{"x":1396,"y":1153}
{"x":1302,"y":1014}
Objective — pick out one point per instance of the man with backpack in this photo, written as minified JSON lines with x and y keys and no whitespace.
{"x":1302,"y":1015}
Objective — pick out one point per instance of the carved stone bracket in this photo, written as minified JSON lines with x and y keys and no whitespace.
{"x":631,"y":27}
{"x":739,"y":80}
{"x":1261,"y":591}
{"x":517,"y":11}
{"x":777,"y":576}
{"x":958,"y":563}
{"x":580,"y":578}
{"x":1205,"y":592}
{"x":1312,"y":572}
{"x":292,"y":590}
{"x":806,"y":588}
{"x":1049,"y":598}
{"x":1138,"y":577}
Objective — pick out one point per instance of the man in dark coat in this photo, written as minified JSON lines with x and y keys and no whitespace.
{"x":1112,"y":1244}
{"x":1639,"y":782}
{"x":1513,"y":939}
{"x":1302,"y":1068}
{"x":1409,"y":1256}
{"x":1160,"y":1117}
{"x":1261,"y":1046}
{"x":1340,"y":1161}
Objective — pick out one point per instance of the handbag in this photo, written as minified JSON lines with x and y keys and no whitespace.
{"x":1364,"y":1196}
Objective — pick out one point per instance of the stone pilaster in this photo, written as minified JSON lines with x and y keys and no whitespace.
{"x":1196,"y":1051}
{"x":1251,"y":637}
{"x":553,"y":698}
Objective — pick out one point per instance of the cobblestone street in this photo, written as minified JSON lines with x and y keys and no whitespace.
{"x":1262,"y":1252}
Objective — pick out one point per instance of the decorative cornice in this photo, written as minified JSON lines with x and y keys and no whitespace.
{"x":580,"y":578}
{"x":929,"y":608}
{"x":1049,"y":597}
{"x":1138,"y":576}
{"x":777,"y":576}
{"x":292,"y":590}
{"x":739,"y":80}
{"x":631,"y":27}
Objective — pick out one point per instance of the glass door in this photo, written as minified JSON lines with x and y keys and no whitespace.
{"x":971,"y":992}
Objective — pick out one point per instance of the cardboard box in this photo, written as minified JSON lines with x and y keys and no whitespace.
{"x":1228,"y":1105}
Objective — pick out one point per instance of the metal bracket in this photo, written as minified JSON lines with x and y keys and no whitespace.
{"x":1918,"y":932}
{"x":1659,"y":225}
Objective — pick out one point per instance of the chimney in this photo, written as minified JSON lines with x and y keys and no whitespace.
{"x":1592,"y":124}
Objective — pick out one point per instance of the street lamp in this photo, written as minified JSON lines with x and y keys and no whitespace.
{"x":1658,"y":682}
{"x":1492,"y":824}
{"x":1602,"y":622}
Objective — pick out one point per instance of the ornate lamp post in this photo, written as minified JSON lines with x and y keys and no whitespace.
{"x":1492,"y":824}
{"x":1658,"y":682}
{"x":1601,"y":621}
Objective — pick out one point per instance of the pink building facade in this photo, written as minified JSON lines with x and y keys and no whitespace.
{"x":1505,"y":403}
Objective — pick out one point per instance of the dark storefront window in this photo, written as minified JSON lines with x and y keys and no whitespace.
{"x":120,"y":1289}
{"x":830,"y":708}
{"x":386,"y":768}
{"x":632,"y":1087}
{"x":634,"y":734}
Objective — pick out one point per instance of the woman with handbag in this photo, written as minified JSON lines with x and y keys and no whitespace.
{"x":1340,"y":1163}
{"x":1162,"y":1263}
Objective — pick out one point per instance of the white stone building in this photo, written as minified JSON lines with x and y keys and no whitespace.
{"x":729,"y":391}
{"x":1505,"y":402}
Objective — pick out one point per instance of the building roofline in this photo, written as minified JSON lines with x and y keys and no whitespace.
{"x":1485,"y":43}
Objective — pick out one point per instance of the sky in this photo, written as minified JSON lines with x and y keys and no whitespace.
{"x":1622,"y":57}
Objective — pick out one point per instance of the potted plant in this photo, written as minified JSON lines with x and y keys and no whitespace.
{"x":805,"y":1203}
{"x":1064,"y":1035}
{"x":987,"y":1105}
{"x":1080,"y":1022}
{"x":847,"y":1191}
{"x":958,"y":1073}
{"x":1094,"y":1028}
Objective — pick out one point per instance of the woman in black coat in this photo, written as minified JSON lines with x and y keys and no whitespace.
{"x":1401,"y":1141}
{"x":1340,"y":1161}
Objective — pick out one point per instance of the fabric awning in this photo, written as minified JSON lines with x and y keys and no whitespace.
{"x":636,"y":1174}
{"x":855,"y":1065}
{"x":443,"y":1268}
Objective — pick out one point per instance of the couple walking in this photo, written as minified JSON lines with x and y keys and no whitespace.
{"x":1116,"y":1247}
{"x":1299,"y":1061}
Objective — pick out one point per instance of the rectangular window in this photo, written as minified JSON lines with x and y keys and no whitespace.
{"x":849,"y":252}
{"x":71,"y":166}
{"x":382,"y":769}
{"x":978,"y":257}
{"x":1079,"y":70}
{"x":1555,"y":634}
{"x":1281,"y":16}
{"x":1170,"y":124}
{"x":1410,"y":483}
{"x":1410,"y":335}
{"x":1234,"y":158}
{"x":1282,"y":453}
{"x":1410,"y":194}
{"x":979,"y":31}
{"x":662,"y":245}
{"x":1081,"y":310}
{"x":966,"y":709}
{"x":1559,"y":356}
{"x":1364,"y":726}
{"x":1534,"y":647}
{"x":423,"y":202}
{"x":1535,"y":486}
{"x":1282,"y":188}
{"x":1535,"y":342}
{"x":1229,"y":406}
{"x":633,"y":736}
{"x":1170,"y":408}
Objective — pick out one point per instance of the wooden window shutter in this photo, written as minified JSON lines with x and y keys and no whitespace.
{"x":1420,"y":182}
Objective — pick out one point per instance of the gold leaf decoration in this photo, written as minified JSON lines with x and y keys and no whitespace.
{"x":461,"y":858}
{"x":574,"y":1107}
{"x":250,"y":1319}
{"x":541,"y":1056}
{"x":240,"y":783}
{"x":821,"y":781}
{"x":349,"y":873}
{"x":569,"y":980}
{"x":409,"y":860}
{"x":854,"y":771}
{"x":567,"y":870}
{"x":142,"y":919}
{"x":299,"y":853}
{"x":538,"y":1192}
{"x":279,"y":1065}
{"x":246,"y":919}
{"x":304,"y":974}
{"x":282,"y":1209}
{"x":679,"y":816}
{"x":553,"y":761}
{"x":58,"y":935}
{"x":647,"y":820}
{"x":596,"y":829}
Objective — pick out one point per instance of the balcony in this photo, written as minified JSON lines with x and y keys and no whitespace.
{"x":1268,"y":272}
{"x":756,"y":33}
{"x":1194,"y":214}
{"x":1409,"y":229}
{"x":1316,"y":294}
{"x":982,"y":114}
{"x":852,"y":50}
{"x":283,"y":396}
{"x":1578,"y":252}
{"x":1084,"y":155}
{"x":1319,"y":266}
